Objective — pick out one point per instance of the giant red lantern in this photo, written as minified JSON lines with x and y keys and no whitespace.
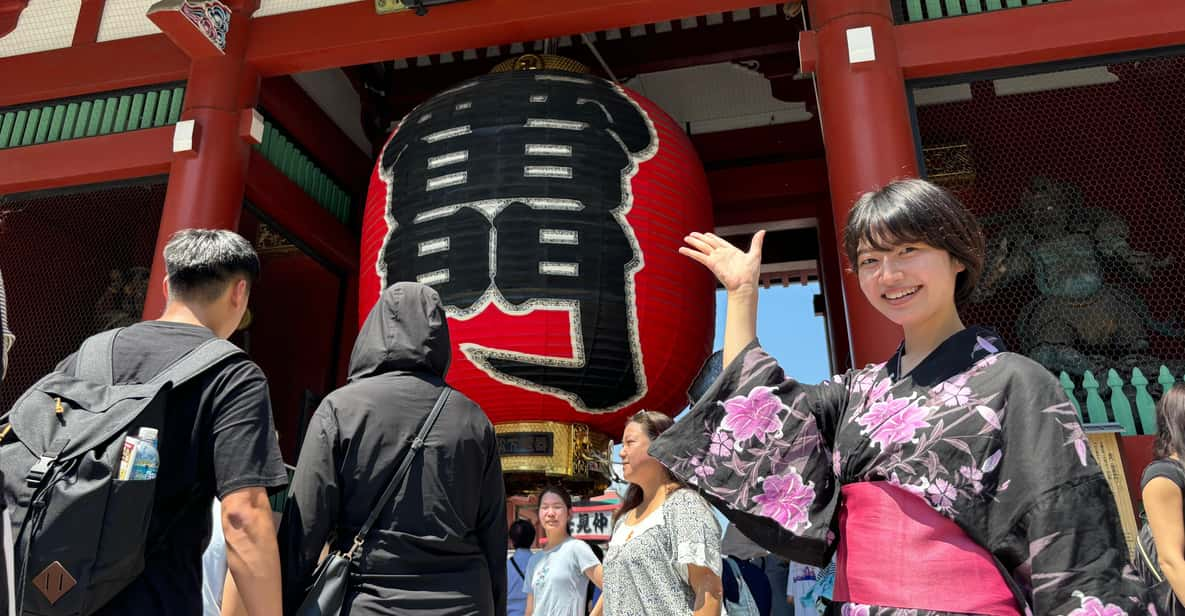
{"x":547,"y":207}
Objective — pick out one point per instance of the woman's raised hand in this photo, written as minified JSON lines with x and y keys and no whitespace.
{"x":735,"y":269}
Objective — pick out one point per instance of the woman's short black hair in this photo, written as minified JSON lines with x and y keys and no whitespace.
{"x":522,"y":534}
{"x":915,"y":210}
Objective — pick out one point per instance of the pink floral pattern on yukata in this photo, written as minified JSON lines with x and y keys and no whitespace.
{"x":1091,"y":606}
{"x":787,"y":500}
{"x":755,"y":415}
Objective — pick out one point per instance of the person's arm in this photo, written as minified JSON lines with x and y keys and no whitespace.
{"x":247,"y":464}
{"x":1053,"y":517}
{"x":596,"y":575}
{"x":706,"y":586}
{"x":1163,"y":501}
{"x":251,"y":551}
{"x":740,"y":273}
{"x":599,"y":608}
{"x":311,"y":511}
{"x":530,"y":605}
{"x":232,"y":603}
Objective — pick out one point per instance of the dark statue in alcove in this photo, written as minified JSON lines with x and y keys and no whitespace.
{"x":1082,"y":318}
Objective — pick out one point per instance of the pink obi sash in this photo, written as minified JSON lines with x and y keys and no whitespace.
{"x":896,"y":551}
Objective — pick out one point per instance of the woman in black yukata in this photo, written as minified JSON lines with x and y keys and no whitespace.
{"x":954,"y":478}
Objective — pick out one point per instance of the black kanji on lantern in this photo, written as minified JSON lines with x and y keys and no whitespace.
{"x":512,"y":189}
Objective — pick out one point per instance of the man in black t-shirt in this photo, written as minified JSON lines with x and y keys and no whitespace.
{"x":217,"y":440}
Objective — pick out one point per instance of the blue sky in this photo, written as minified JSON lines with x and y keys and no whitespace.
{"x":788,"y":330}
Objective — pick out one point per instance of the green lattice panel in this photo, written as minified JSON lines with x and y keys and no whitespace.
{"x":98,"y":115}
{"x":922,"y":10}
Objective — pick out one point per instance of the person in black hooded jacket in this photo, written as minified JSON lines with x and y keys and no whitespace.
{"x":439,"y":546}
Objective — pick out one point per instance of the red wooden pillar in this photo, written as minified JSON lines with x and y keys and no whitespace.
{"x":866,"y":132}
{"x":206,"y":184}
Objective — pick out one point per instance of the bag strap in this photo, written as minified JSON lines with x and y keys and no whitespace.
{"x":1148,"y":561}
{"x":518,"y":569}
{"x":94,"y":361}
{"x":203,"y":357}
{"x":400,"y":473}
{"x":96,"y":358}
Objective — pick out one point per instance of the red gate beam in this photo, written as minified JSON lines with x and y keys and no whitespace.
{"x":350,"y":34}
{"x":1047,"y":33}
{"x":97,"y":67}
{"x":86,"y":161}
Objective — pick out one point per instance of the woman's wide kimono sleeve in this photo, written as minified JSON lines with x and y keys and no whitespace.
{"x":759,"y":446}
{"x":1050,"y":517}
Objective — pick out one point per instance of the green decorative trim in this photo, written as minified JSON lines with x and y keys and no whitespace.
{"x":152,"y":107}
{"x":88,"y":116}
{"x":912,"y":11}
{"x":294,"y":162}
{"x":1129,"y":400}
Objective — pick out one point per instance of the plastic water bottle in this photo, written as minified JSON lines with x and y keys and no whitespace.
{"x":147,"y":459}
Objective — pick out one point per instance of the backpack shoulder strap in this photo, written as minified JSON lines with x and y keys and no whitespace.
{"x":194,"y":363}
{"x":94,"y":360}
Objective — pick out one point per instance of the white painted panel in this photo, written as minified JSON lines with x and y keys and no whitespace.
{"x":332,"y":91}
{"x":860,"y":45}
{"x":126,"y":19}
{"x":44,"y":25}
{"x":717,"y":97}
{"x":275,"y":7}
{"x":942,"y":94}
{"x":1074,"y":78}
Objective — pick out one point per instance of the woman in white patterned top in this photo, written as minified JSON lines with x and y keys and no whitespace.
{"x":664,"y":557}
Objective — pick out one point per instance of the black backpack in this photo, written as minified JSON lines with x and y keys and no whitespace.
{"x":80,"y":533}
{"x":1147,"y":565}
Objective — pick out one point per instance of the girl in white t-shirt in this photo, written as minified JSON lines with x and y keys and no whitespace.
{"x":558,"y":576}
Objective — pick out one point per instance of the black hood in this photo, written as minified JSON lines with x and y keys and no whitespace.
{"x":406,"y":331}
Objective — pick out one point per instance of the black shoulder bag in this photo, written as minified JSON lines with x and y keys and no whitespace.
{"x":332,"y":579}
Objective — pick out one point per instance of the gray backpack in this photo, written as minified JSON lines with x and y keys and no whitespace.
{"x":80,"y":533}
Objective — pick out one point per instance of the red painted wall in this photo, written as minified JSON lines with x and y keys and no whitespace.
{"x":295,"y":309}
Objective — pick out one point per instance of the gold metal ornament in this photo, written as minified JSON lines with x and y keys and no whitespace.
{"x":542,"y":61}
{"x":535,"y":453}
